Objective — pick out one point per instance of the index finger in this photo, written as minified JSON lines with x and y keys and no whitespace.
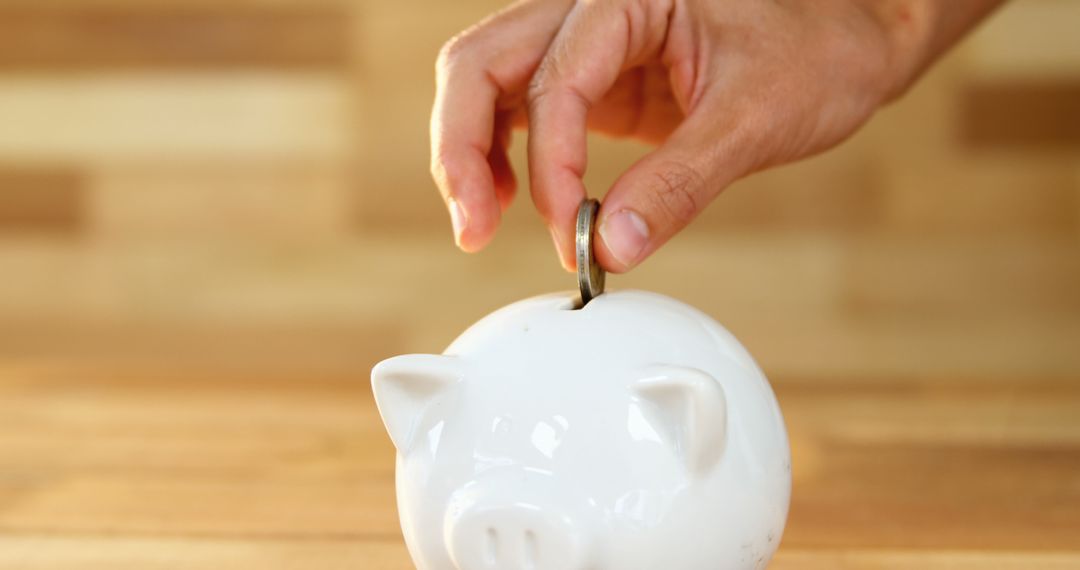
{"x":597,"y":41}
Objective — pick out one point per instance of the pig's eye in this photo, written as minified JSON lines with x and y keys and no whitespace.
{"x":687,"y":409}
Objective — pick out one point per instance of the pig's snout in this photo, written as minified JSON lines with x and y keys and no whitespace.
{"x":514,"y":537}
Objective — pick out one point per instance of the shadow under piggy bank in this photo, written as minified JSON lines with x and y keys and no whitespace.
{"x":633,"y":433}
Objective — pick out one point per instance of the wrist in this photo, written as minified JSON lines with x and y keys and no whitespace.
{"x":907,"y":27}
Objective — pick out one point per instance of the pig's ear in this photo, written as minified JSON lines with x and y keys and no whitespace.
{"x":406,"y":386}
{"x":687,"y":407}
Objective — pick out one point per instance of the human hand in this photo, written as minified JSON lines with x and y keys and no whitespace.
{"x":726,"y":88}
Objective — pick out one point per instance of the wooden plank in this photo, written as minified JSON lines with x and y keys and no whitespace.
{"x":1021,"y":115}
{"x":255,"y":504}
{"x":265,"y":350}
{"x":158,"y":37}
{"x":41,"y":199}
{"x":905,"y":465}
{"x":162,"y":455}
{"x":938,"y":496}
{"x":911,"y":467}
{"x":265,"y":201}
{"x":973,"y":194}
{"x":194,"y":116}
{"x":1025,"y":41}
{"x":838,"y":192}
{"x":805,"y":307}
{"x":160,"y":424}
{"x":959,"y":348}
{"x":884,"y":559}
{"x":45,"y":552}
{"x":36,"y":552}
{"x":62,"y":5}
{"x":964,"y":277}
{"x":851,"y":413}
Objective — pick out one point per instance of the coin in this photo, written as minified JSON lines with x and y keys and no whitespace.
{"x":589,"y":274}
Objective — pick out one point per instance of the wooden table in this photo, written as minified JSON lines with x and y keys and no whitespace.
{"x":164,"y":467}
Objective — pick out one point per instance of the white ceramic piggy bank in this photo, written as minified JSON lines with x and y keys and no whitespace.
{"x":633,"y":433}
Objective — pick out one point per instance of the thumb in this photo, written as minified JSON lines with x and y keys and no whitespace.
{"x":664,"y":191}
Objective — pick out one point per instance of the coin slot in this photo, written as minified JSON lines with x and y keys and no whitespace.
{"x":570,"y":303}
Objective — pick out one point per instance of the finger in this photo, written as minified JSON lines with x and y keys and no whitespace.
{"x":502,"y":176}
{"x":598,"y":40}
{"x":459,"y":158}
{"x":477,"y":75}
{"x":499,"y":161}
{"x":664,"y":191}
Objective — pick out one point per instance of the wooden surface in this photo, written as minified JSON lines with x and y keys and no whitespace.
{"x":216,"y":215}
{"x":144,"y":468}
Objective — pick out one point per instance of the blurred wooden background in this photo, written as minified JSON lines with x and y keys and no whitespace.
{"x":215,"y":216}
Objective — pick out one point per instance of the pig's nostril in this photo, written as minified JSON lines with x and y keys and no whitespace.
{"x":513,"y":537}
{"x":491,"y":546}
{"x":529,"y":550}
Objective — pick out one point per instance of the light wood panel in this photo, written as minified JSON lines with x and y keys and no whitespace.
{"x":205,"y":115}
{"x":1033,"y":39}
{"x":275,"y":201}
{"x":958,"y":308}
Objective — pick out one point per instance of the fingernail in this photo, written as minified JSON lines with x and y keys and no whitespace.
{"x":625,"y":234}
{"x":458,"y":219}
{"x":558,"y":247}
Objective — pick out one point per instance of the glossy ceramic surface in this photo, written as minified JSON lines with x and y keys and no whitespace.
{"x":635,"y":433}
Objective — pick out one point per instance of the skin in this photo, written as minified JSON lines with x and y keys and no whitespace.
{"x":725,"y":88}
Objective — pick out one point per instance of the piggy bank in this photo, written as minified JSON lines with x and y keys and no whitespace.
{"x":632,"y":433}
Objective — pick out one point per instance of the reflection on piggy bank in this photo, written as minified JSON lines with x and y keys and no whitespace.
{"x":633,"y":433}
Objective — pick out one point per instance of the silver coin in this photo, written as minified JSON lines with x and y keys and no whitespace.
{"x":589,"y":274}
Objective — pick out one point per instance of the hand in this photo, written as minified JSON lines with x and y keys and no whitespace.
{"x":726,"y":87}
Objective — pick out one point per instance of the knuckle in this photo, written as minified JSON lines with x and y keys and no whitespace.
{"x":452,"y":51}
{"x":445,"y":177}
{"x":543,"y":77}
{"x":677,"y":187}
{"x":536,"y":90}
{"x":550,"y":79}
{"x":551,"y":71}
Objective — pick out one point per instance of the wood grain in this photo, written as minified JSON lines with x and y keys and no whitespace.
{"x":134,"y":36}
{"x":1027,"y":40}
{"x":40,"y":199}
{"x":1031,"y":115}
{"x":125,"y":467}
{"x":110,"y":117}
{"x":217,"y":215}
{"x":282,"y":201}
